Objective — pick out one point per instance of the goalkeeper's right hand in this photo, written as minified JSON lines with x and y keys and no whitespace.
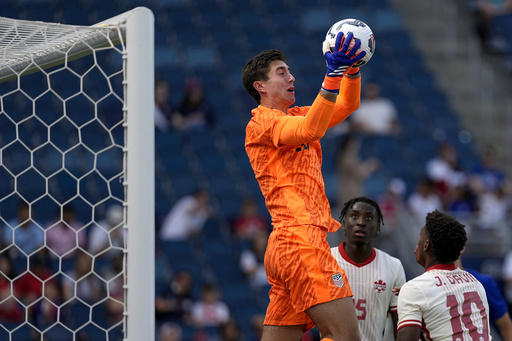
{"x":339,"y":61}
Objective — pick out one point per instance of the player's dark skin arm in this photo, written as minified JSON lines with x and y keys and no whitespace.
{"x":504,"y":324}
{"x":394,"y":315}
{"x":408,"y":334}
{"x":394,"y":318}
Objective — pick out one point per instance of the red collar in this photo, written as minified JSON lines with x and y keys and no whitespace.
{"x":449,"y":266}
{"x":345,"y":256}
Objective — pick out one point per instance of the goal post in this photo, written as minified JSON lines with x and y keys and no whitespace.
{"x":141,"y":173}
{"x":77,"y":129}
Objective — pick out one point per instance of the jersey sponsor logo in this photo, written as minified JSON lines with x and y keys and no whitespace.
{"x":338,"y":280}
{"x":379,"y":286}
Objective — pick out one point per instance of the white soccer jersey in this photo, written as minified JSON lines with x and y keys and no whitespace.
{"x":371,"y":283}
{"x":447,"y":303}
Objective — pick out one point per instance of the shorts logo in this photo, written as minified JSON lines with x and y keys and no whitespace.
{"x":338,"y":280}
{"x":379,"y":286}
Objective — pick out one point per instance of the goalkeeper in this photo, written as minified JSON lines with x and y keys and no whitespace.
{"x":308,"y":287}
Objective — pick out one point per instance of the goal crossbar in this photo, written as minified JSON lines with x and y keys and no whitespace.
{"x":29,"y":46}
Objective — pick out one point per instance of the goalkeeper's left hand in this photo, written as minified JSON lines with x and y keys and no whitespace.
{"x":340,"y":61}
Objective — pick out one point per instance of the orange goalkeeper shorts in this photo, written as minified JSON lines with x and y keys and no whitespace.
{"x":302,"y":273}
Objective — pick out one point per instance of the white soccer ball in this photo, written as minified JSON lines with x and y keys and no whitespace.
{"x":361,"y":31}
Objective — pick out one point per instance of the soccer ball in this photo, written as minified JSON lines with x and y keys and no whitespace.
{"x":361,"y":31}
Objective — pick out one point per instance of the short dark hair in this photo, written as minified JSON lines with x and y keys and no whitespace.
{"x":257,"y":69}
{"x":447,"y":235}
{"x":367,"y":200}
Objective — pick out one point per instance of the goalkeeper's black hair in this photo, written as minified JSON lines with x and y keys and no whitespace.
{"x":447,"y":235}
{"x":257,"y":69}
{"x":367,"y":200}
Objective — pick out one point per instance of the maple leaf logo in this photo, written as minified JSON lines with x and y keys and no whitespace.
{"x":379,"y":286}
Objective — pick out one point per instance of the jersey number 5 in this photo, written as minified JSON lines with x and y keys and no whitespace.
{"x":361,"y":309}
{"x":457,"y":320}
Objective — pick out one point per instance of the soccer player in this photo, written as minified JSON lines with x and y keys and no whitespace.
{"x":445,"y":302}
{"x":372,"y":273}
{"x":498,"y":307}
{"x":283,"y":144}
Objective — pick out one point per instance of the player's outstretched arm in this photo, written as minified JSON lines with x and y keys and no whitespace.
{"x":348,"y":100}
{"x":343,"y":81}
{"x":297,"y":130}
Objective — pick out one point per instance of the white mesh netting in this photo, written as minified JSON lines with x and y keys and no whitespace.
{"x":62,"y":195}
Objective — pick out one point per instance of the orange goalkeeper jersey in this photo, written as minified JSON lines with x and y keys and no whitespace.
{"x":290,"y":176}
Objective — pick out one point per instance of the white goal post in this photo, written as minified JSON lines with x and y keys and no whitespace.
{"x":77,"y":129}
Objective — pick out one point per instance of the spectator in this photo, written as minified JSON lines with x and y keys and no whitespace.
{"x":351,"y":170}
{"x":376,"y":115}
{"x":230,"y":331}
{"x":494,"y":208}
{"x":163,"y":270}
{"x":176,"y":302}
{"x":250,"y":222}
{"x":108,"y":233}
{"x":209,"y":310}
{"x":423,"y":200}
{"x":187,"y":217}
{"x":163,"y":108}
{"x":46,"y":311}
{"x":490,"y":186}
{"x":251,"y":262}
{"x":485,"y":11}
{"x":29,"y":287}
{"x":203,"y":335}
{"x":80,"y":282}
{"x":462,"y":204}
{"x":444,"y":171}
{"x":64,"y":235}
{"x":170,"y":331}
{"x":113,"y":274}
{"x":10,"y":309}
{"x":487,"y":176}
{"x":27,"y":233}
{"x":194,"y":112}
{"x":391,"y":203}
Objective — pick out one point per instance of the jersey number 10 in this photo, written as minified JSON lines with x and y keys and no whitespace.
{"x":457,"y":320}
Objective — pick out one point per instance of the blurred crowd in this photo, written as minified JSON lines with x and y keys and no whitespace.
{"x":193,"y":112}
{"x":71,"y":265}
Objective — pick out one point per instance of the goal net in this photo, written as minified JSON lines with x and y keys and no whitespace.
{"x":77,"y":179}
